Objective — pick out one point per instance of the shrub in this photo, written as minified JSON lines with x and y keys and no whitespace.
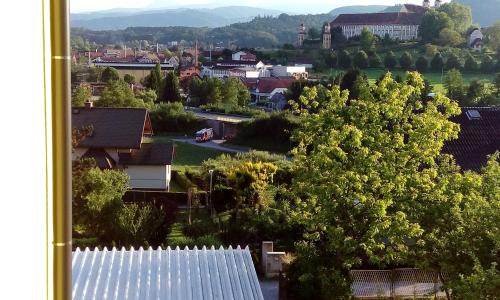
{"x":172,"y":118}
{"x":487,"y":64}
{"x":181,"y":242}
{"x":344,"y":61}
{"x":390,"y":60}
{"x":422,"y":64}
{"x":453,"y":62}
{"x":208,"y":240}
{"x":198,"y":227}
{"x":406,"y":61}
{"x":183,"y":181}
{"x":361,"y":60}
{"x":375,"y":61}
{"x":471,"y":64}
{"x":437,"y":62}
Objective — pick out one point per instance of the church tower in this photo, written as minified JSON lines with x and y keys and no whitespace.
{"x":301,"y":36}
{"x":437,"y":3}
{"x":327,"y":36}
{"x":427,"y":4}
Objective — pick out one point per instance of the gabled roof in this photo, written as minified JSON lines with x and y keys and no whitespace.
{"x":101,"y":157}
{"x":378,"y":19}
{"x":268,"y":84}
{"x":165,"y":274}
{"x":478,"y":138}
{"x":121,"y":128}
{"x":149,"y":154}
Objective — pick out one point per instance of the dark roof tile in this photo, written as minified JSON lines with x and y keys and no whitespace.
{"x":149,"y":154}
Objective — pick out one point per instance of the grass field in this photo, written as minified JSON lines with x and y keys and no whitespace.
{"x":187,"y":156}
{"x":435,"y":78}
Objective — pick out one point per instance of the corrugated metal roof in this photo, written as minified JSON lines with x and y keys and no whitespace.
{"x":165,"y":274}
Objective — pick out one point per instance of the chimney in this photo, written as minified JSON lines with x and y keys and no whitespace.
{"x":89,"y":104}
{"x":157,"y":48}
{"x":125,"y":52}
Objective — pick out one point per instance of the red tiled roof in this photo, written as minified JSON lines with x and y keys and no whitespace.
{"x":477,"y":138}
{"x":378,"y":19}
{"x":269,"y":84}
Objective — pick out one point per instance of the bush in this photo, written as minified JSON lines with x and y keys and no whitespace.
{"x":361,"y":60}
{"x":390,"y":60}
{"x":183,"y":181}
{"x":171,"y":118}
{"x":422,"y":64}
{"x":406,"y":61}
{"x":453,"y":62}
{"x":375,"y":61}
{"x":181,"y":242}
{"x":235,"y":110}
{"x":487,"y":64}
{"x":198,"y":227}
{"x":471,"y":64}
{"x":208,"y":240}
{"x":437,"y":62}
{"x":344,"y":61}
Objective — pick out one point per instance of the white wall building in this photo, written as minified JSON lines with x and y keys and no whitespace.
{"x":298,"y":72}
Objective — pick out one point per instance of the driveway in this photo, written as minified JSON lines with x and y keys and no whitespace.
{"x":213,"y":144}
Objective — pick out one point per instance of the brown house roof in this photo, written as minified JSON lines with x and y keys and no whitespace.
{"x":378,"y":19}
{"x":149,"y":154}
{"x":478,"y":138}
{"x":121,"y":128}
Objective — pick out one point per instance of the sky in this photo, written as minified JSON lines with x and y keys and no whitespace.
{"x":296,"y":6}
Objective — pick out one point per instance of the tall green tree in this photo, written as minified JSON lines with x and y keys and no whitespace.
{"x":453,"y":62}
{"x":130,"y":79}
{"x":345,"y":61}
{"x":432,"y":23}
{"x":367,"y":39}
{"x":450,"y":37}
{"x":110,"y":74}
{"x":390,"y":60}
{"x":375,"y":61}
{"x":117,"y":93}
{"x":358,"y":168}
{"x":471,"y":64}
{"x":460,"y":15}
{"x":487,"y":64}
{"x":455,"y":85}
{"x":171,"y":91}
{"x":155,"y":81}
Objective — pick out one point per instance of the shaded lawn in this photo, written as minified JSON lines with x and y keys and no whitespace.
{"x":181,"y":219}
{"x":187,"y":157}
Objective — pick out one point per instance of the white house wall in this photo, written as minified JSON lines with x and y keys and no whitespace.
{"x":149,"y":177}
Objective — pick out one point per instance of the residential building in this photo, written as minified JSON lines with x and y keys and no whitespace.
{"x":139,"y":68}
{"x":475,"y":40}
{"x":235,"y":68}
{"x":298,"y":72}
{"x":264,"y":89}
{"x":117,"y":142}
{"x":189,"y":72}
{"x":479,"y":137}
{"x":165,"y":274}
{"x":244,"y":56}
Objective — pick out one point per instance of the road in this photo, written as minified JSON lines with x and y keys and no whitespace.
{"x":214,"y":144}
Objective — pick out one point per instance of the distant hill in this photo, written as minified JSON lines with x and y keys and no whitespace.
{"x":358,"y":9}
{"x":123,"y":18}
{"x":484,"y":12}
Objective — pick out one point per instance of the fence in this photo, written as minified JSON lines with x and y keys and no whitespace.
{"x":396,"y":283}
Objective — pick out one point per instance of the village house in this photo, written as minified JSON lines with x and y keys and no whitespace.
{"x":117,"y":141}
{"x":297,"y":72}
{"x":244,"y":56}
{"x":475,"y":40}
{"x":479,"y":137}
{"x":269,"y":90}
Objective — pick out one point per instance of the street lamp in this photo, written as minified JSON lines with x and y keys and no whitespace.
{"x":211,"y":206}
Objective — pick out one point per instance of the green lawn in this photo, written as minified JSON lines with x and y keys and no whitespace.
{"x":435,"y":78}
{"x":187,"y":156}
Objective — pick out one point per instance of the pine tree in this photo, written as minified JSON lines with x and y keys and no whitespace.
{"x":171,"y":91}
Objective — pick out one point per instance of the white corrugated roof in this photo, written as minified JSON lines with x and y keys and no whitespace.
{"x":165,"y":274}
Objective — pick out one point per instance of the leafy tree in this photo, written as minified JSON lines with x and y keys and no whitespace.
{"x":479,"y":93}
{"x":433,"y":22}
{"x":422,"y":64}
{"x":117,"y":93}
{"x":375,"y":61}
{"x":212,"y":91}
{"x":367,"y":39}
{"x":387,"y":40}
{"x":406,"y":61}
{"x":437,"y":62}
{"x":431,"y":50}
{"x":460,"y":15}
{"x":82,"y":95}
{"x":229,"y":92}
{"x":497,"y":83}
{"x":148,"y":96}
{"x":471,"y":64}
{"x":449,"y":37}
{"x":453,"y":62}
{"x":361,"y":60}
{"x":358,"y":169}
{"x":344,"y":59}
{"x":390,"y":60}
{"x":137,"y":224}
{"x":130,"y":79}
{"x":155,"y":81}
{"x":110,"y":74}
{"x":338,"y":37}
{"x":171,"y":91}
{"x":493,"y":36}
{"x":455,"y":85}
{"x":314,"y":33}
{"x":487,"y":64}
